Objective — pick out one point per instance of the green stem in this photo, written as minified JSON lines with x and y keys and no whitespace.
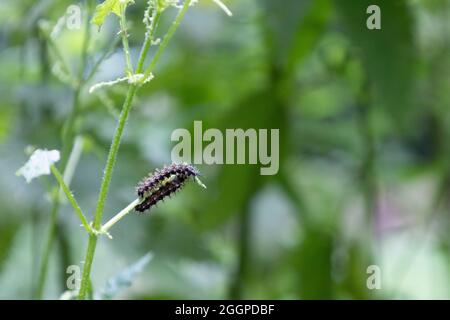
{"x":112,"y":155}
{"x":67,"y":142}
{"x":85,"y":277}
{"x":126,"y":47}
{"x":104,"y":189}
{"x":148,"y":40}
{"x":67,"y":131}
{"x":368,"y":166}
{"x":70,"y":197}
{"x":72,"y":162}
{"x":167,"y":38}
{"x":86,"y":40}
{"x":105,"y":55}
{"x":241,"y":272}
{"x":65,"y":154}
{"x":58,"y":56}
{"x":47,"y":249}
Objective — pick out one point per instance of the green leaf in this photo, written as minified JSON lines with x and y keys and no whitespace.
{"x":109,"y":6}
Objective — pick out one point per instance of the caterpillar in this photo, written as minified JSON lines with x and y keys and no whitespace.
{"x":163,"y":183}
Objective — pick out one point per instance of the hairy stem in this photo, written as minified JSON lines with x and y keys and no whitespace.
{"x":126,"y":47}
{"x":149,"y":37}
{"x":112,"y":155}
{"x":167,"y":38}
{"x":70,"y":197}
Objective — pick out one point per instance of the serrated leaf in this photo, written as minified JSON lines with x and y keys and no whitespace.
{"x":124,"y":279}
{"x":109,"y":6}
{"x":39,"y":164}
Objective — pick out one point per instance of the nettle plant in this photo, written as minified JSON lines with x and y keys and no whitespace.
{"x":154,"y":188}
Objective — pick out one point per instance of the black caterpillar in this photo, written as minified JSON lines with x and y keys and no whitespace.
{"x":163,"y":183}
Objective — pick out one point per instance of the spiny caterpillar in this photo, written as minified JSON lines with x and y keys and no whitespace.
{"x":163,"y":183}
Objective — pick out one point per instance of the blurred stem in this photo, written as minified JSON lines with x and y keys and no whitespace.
{"x":67,"y":145}
{"x":68,"y":128}
{"x":368,"y":166}
{"x":105,"y":55}
{"x":112,"y":155}
{"x":47,"y":249}
{"x":57,"y":54}
{"x":44,"y":59}
{"x":71,"y":165}
{"x":73,"y":160}
{"x":237,"y":284}
{"x":124,"y":36}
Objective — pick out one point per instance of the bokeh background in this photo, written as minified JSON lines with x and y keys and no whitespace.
{"x":364,"y":174}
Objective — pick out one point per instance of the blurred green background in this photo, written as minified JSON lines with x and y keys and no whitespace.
{"x":364,"y":174}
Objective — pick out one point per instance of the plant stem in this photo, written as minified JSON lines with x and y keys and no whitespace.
{"x":241,"y":272}
{"x":58,"y":55}
{"x":119,"y":216}
{"x":79,"y":84}
{"x":126,"y":47}
{"x":368,"y":166}
{"x":105,"y":55}
{"x":112,"y":155}
{"x":104,"y":189}
{"x":73,"y":160}
{"x":67,"y":142}
{"x":167,"y":38}
{"x":148,"y":40}
{"x":47,"y":249}
{"x":71,"y":198}
{"x":85,"y":278}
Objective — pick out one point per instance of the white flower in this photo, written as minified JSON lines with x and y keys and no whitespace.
{"x":39,"y":164}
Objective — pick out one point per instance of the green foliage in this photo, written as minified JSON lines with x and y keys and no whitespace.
{"x":102,"y":10}
{"x":364,"y":164}
{"x":388,"y":54}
